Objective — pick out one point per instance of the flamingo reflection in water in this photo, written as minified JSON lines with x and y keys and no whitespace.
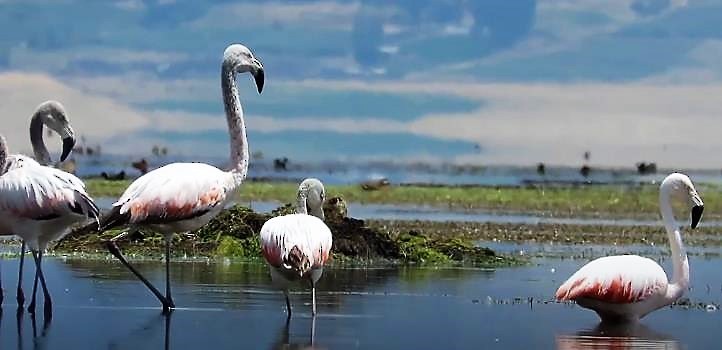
{"x":626,"y":335}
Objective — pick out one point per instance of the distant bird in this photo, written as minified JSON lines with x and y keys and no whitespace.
{"x":159,"y":151}
{"x":587,"y":155}
{"x":335,"y":209}
{"x":182,"y":197}
{"x":141,"y":165}
{"x":113,"y":177}
{"x":625,"y":288}
{"x":40,"y":204}
{"x":51,"y":114}
{"x":540,"y":169}
{"x":280,"y":164}
{"x":644,"y":168}
{"x":297,"y":246}
{"x":585,"y":170}
{"x":375,"y":184}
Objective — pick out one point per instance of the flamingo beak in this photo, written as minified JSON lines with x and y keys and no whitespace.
{"x":68,"y":144}
{"x":696,"y":215}
{"x":259,"y":76}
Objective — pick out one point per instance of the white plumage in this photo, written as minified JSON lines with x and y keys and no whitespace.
{"x":178,"y":197}
{"x":40,"y":203}
{"x":628,"y":287}
{"x":297,"y":246}
{"x":182,"y":197}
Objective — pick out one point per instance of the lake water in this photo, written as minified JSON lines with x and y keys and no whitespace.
{"x":352,"y":172}
{"x":99,"y":305}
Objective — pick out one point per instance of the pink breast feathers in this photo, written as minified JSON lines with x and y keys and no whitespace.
{"x":618,"y":291}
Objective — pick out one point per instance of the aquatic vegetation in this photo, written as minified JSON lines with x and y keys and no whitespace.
{"x":234,"y":234}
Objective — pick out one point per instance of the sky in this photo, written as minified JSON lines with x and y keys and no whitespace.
{"x":457,"y":81}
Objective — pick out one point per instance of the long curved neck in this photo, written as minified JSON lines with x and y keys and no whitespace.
{"x":3,"y":154}
{"x":36,"y":139}
{"x":302,"y":201}
{"x":680,"y":273}
{"x":236,"y":125}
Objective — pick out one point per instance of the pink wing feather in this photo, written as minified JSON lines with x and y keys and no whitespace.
{"x":36,"y":192}
{"x":618,"y":279}
{"x":176,"y":191}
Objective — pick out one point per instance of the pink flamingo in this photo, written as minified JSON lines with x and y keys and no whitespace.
{"x":40,"y":204}
{"x":297,"y":246}
{"x":51,"y":114}
{"x":625,"y":288}
{"x":182,"y":197}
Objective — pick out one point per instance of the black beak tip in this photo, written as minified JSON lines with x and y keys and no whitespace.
{"x":260,"y":78}
{"x":68,"y":144}
{"x":696,"y":215}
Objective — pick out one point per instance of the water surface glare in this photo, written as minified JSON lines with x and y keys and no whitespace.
{"x":98,"y":305}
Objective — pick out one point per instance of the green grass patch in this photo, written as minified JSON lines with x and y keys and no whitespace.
{"x":582,"y":200}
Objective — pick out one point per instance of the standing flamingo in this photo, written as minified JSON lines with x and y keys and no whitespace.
{"x":296,"y":246}
{"x":41,"y":204}
{"x":628,"y":287}
{"x":183,"y":197}
{"x":51,"y":114}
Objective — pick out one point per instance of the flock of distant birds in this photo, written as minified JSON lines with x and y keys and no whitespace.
{"x":41,"y":204}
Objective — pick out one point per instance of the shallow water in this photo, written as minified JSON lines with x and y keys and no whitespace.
{"x":98,"y":305}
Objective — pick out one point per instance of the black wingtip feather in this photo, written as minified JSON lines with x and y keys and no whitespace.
{"x":113,"y":219}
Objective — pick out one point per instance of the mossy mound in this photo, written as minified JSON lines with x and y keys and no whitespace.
{"x":234,"y":233}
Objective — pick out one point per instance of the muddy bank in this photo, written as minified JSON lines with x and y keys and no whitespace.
{"x":234,"y":233}
{"x":552,"y":233}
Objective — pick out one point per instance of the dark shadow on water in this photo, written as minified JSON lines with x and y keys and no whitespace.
{"x":303,"y":342}
{"x":630,"y":335}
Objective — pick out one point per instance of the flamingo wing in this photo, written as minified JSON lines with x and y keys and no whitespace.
{"x":175,"y":192}
{"x":307,"y":233}
{"x":615,"y":279}
{"x":43,"y":193}
{"x":17,"y":161}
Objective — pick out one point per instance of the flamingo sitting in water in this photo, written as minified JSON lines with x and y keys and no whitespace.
{"x":40,"y":204}
{"x":182,"y":197}
{"x":625,"y":288}
{"x":297,"y":246}
{"x":51,"y":114}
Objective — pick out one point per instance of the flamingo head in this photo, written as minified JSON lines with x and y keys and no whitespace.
{"x":680,"y":187}
{"x":240,"y":59}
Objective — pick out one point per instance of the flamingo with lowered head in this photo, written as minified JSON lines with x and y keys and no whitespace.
{"x":296,"y":246}
{"x":625,"y":288}
{"x":182,"y":197}
{"x":51,"y":114}
{"x":40,"y":204}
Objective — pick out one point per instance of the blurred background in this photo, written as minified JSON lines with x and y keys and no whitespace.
{"x":492,"y":91}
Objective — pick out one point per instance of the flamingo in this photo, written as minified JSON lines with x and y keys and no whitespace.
{"x":51,"y":114}
{"x":40,"y":204}
{"x":296,"y":246}
{"x":182,"y":197}
{"x":625,"y":288}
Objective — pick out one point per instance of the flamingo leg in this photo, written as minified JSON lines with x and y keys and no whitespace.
{"x":168,"y":296}
{"x":288,"y":304}
{"x":313,"y":298}
{"x":31,"y":306}
{"x":113,"y":248}
{"x":1,"y":292}
{"x":20,"y":296}
{"x":48,"y":304}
